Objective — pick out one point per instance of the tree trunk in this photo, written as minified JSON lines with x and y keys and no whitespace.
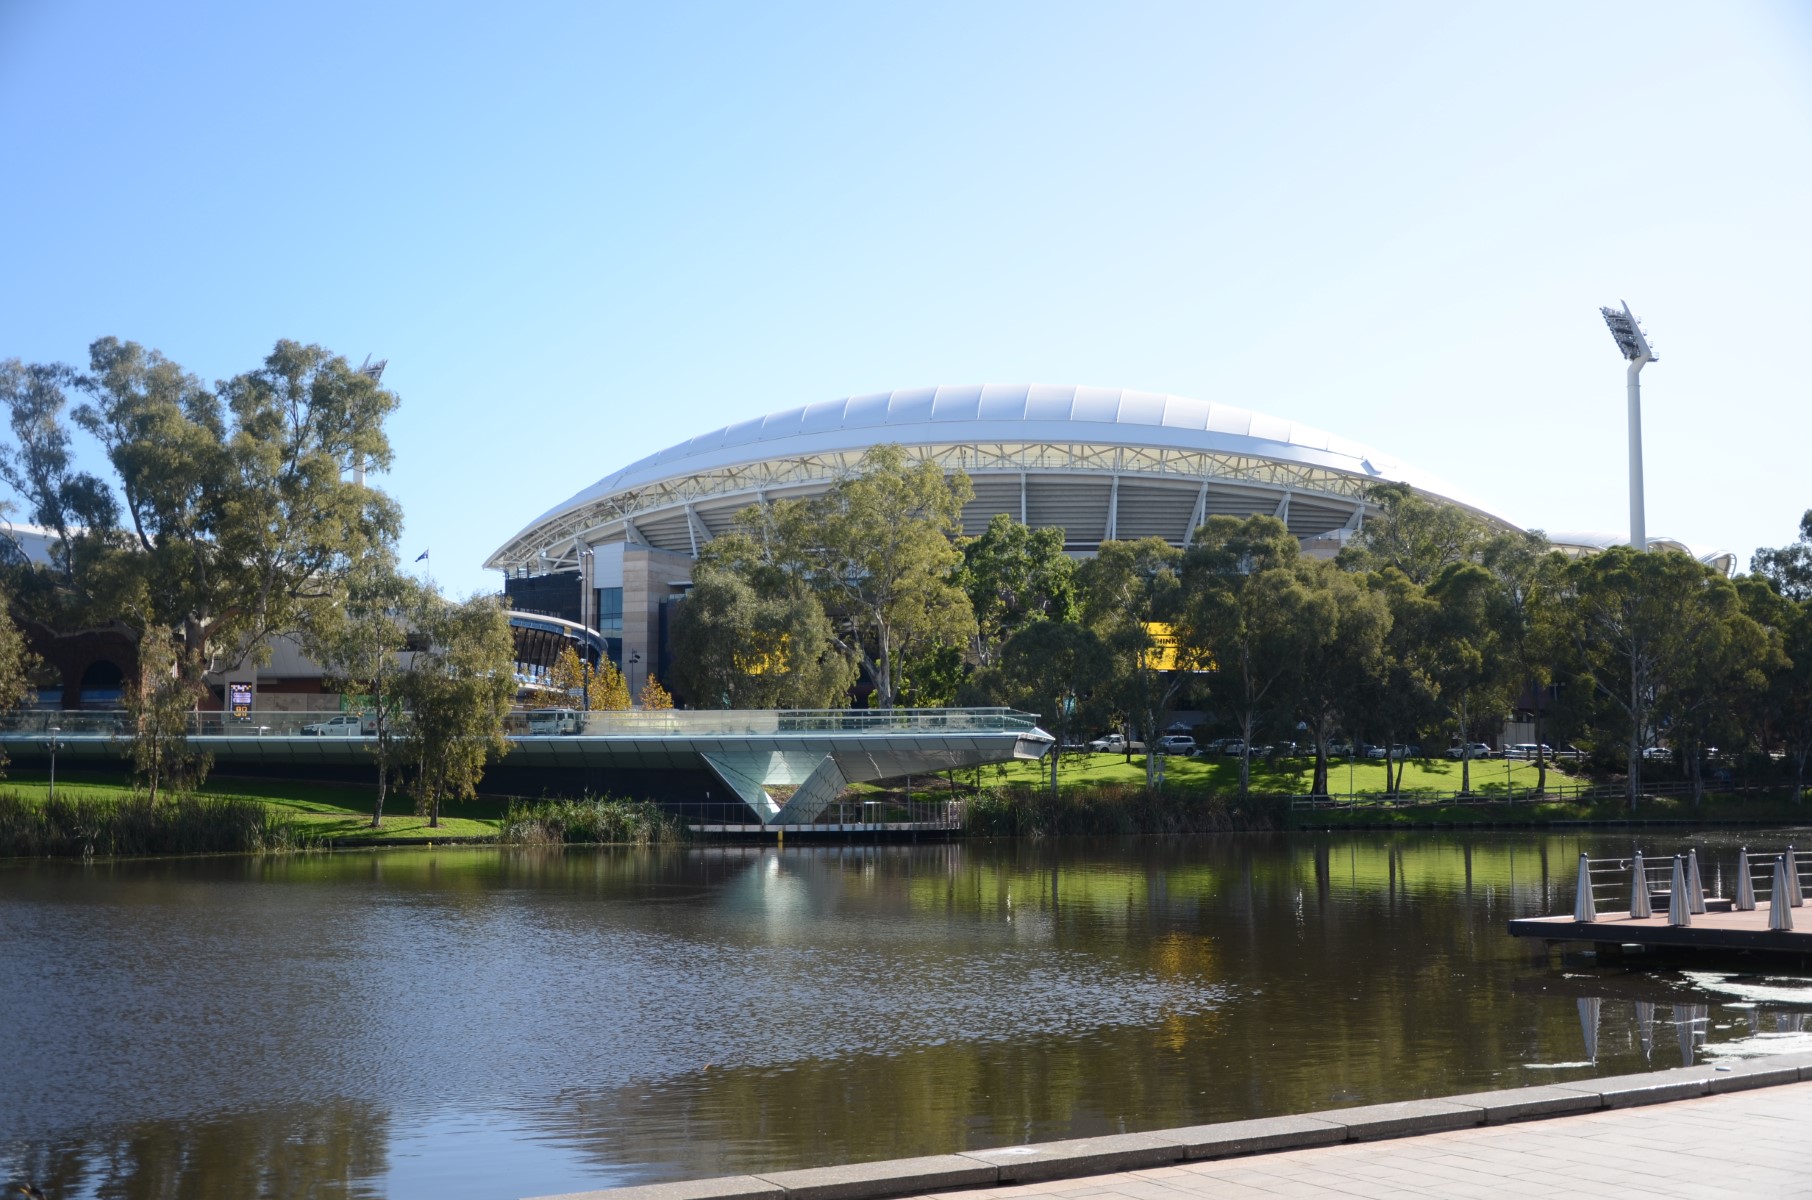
{"x":1698,"y":778}
{"x":1465,"y":751}
{"x":1245,"y":756}
{"x":1541,"y":756}
{"x":884,"y":672}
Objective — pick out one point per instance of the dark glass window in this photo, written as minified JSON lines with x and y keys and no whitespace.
{"x":610,"y":610}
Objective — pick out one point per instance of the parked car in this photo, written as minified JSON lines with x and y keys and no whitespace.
{"x":1529,"y":750}
{"x":1469,"y":750}
{"x":344,"y":725}
{"x":1398,"y":752}
{"x":1657,"y":754}
{"x":1234,"y":746}
{"x":550,"y":722}
{"x":1114,"y":743}
{"x":1176,"y":743}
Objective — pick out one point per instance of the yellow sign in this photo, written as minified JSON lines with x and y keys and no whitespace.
{"x":1162,"y":654}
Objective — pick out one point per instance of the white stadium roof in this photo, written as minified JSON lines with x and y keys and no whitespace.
{"x":1007,"y":429}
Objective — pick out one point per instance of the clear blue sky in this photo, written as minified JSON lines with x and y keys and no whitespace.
{"x":582,"y":232}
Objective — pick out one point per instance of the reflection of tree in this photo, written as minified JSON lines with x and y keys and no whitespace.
{"x":336,"y":1149}
{"x":1396,"y":985}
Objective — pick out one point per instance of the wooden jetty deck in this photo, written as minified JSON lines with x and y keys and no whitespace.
{"x":1668,"y":908}
{"x":1726,"y":929}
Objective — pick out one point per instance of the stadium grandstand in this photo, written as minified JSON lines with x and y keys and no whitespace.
{"x":1101,"y":464}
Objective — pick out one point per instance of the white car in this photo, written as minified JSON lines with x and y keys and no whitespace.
{"x":344,"y":725}
{"x":1478,"y":750}
{"x":1176,"y":743}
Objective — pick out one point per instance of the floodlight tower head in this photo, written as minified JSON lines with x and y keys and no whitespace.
{"x":1634,"y":344}
{"x":1630,"y":338}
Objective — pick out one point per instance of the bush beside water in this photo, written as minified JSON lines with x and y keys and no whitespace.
{"x":593,"y":820}
{"x":1116,"y":809}
{"x":181,"y":824}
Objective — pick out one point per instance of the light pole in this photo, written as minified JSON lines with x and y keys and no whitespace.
{"x":1634,"y":345}
{"x":51,"y":745}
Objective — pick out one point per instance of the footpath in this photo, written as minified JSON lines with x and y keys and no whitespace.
{"x":1739,"y":1129}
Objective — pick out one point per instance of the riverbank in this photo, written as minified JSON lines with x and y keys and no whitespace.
{"x":1715,"y":1131}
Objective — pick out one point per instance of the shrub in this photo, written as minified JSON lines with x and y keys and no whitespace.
{"x":1113,"y":809}
{"x":174,"y":824}
{"x":592,"y":820}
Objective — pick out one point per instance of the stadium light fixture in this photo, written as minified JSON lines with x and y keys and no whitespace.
{"x":1633,"y":344}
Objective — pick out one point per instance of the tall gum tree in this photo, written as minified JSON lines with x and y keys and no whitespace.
{"x":237,"y":513}
{"x":1129,"y":591}
{"x":1635,"y":621}
{"x":1243,"y":613}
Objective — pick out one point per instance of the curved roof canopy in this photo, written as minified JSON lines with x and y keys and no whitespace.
{"x":989,"y":416}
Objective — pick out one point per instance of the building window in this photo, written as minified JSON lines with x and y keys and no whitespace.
{"x":610,"y":610}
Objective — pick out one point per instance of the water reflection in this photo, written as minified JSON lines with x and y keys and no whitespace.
{"x":494,"y":1023}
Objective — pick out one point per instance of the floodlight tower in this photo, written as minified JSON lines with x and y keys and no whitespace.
{"x":1634,"y":344}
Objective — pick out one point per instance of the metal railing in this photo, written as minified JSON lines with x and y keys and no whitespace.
{"x":1676,"y":883}
{"x":552,"y":722}
{"x":1554,"y":791}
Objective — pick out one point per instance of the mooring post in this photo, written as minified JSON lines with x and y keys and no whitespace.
{"x":1745,"y":897}
{"x":1795,"y":896}
{"x":1780,"y":909}
{"x":1639,"y":905}
{"x":1695,"y":886}
{"x":1584,"y":909}
{"x":1679,"y":908}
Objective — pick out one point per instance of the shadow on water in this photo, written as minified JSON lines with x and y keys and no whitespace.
{"x":495,"y":1022}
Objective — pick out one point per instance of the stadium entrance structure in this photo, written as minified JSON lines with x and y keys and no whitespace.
{"x":1102,"y":464}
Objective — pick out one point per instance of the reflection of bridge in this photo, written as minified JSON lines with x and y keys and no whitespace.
{"x":786,"y":766}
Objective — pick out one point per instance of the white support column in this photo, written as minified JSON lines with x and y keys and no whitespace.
{"x":1198,"y":515}
{"x":1113,"y":513}
{"x":1022,"y":499}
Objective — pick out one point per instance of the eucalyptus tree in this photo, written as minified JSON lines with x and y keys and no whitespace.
{"x":876,"y":552}
{"x":1244,"y":614}
{"x":365,"y":644}
{"x":1637,"y":625}
{"x":1345,"y":623}
{"x":1403,"y":699}
{"x":1789,"y":567}
{"x":458,"y":690}
{"x":227,"y":517}
{"x":1417,"y":536}
{"x":1467,"y":662}
{"x":1060,"y":670}
{"x":40,"y":466}
{"x":1783,"y":709}
{"x":750,"y":635}
{"x":1131,"y":598}
{"x":1015,"y":575}
{"x":1529,"y":575}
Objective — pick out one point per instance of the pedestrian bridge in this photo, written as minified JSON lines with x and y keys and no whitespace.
{"x":786,"y":765}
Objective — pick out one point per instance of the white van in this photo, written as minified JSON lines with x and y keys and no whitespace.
{"x":551,"y":722}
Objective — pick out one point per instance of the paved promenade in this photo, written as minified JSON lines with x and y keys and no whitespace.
{"x":1744,"y":1144}
{"x":1716,"y":1130}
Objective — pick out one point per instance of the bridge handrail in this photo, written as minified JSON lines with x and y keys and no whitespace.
{"x":525,"y":723}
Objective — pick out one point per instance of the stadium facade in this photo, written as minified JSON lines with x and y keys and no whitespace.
{"x":1100,"y":463}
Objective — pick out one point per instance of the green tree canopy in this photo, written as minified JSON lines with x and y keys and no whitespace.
{"x":1014,"y":575}
{"x":1244,"y":611}
{"x":228,"y":516}
{"x":458,"y":690}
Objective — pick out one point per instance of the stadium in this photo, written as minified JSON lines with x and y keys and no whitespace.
{"x":1102,"y":464}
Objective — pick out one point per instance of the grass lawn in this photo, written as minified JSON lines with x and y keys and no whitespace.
{"x":327,"y":810}
{"x":1219,"y":773}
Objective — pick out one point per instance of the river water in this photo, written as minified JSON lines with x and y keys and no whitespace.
{"x":494,"y":1023}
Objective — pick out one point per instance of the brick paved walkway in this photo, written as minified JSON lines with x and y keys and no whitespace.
{"x":1741,"y":1144}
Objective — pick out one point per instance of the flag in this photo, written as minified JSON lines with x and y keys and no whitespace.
{"x":421,"y":556}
